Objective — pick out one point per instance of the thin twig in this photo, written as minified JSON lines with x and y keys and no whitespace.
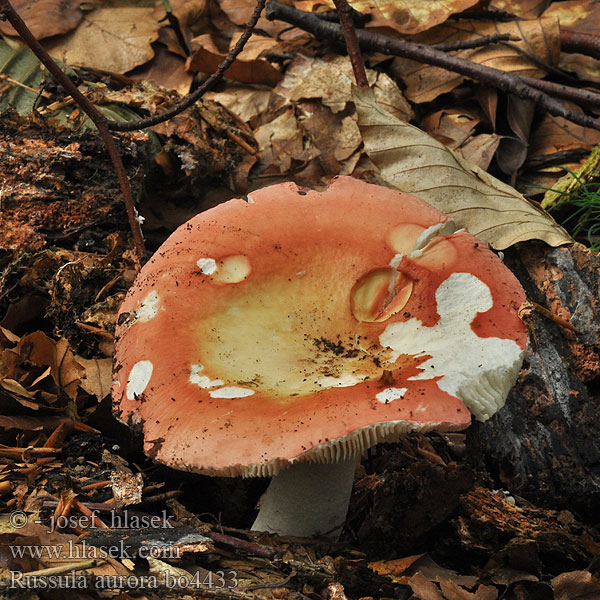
{"x":496,"y":16}
{"x":485,"y":40}
{"x":10,"y":14}
{"x":271,"y":585}
{"x":564,"y":91}
{"x":583,"y":43}
{"x":95,"y":522}
{"x":252,"y":548}
{"x":19,"y":453}
{"x":205,"y":87}
{"x":161,"y":497}
{"x":358,"y":65}
{"x":506,"y":82}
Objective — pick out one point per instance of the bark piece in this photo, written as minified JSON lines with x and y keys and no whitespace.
{"x":545,"y":443}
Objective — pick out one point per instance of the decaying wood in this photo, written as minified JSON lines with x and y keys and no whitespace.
{"x":521,"y":536}
{"x":57,"y":185}
{"x":545,"y":443}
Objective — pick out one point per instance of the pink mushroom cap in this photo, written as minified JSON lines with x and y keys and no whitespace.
{"x":308,"y":326}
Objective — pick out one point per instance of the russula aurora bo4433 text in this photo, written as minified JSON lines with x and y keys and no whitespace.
{"x":285,"y":334}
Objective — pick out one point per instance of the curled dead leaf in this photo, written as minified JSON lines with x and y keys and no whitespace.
{"x":41,"y":350}
{"x":414,"y":162}
{"x":247,"y":68}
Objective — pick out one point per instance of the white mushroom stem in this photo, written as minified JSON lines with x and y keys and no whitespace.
{"x":307,"y":499}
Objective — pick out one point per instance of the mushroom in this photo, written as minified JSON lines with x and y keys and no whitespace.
{"x":284,"y":335}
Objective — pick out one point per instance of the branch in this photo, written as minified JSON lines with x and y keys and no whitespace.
{"x":8,"y":13}
{"x":564,"y":91}
{"x":205,"y":87}
{"x":584,"y":43}
{"x":482,"y":41}
{"x":507,"y":82}
{"x":358,"y":65}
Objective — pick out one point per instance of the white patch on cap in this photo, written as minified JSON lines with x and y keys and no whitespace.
{"x":250,"y":199}
{"x":231,"y":392}
{"x":208,"y":266}
{"x":148,"y":309}
{"x":390,"y":394}
{"x":346,"y":380}
{"x":139,"y":377}
{"x":479,"y":371}
{"x":202,"y":380}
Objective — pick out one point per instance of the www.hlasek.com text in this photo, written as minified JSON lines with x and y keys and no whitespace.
{"x":74,"y":551}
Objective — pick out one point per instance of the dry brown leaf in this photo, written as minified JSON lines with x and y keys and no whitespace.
{"x":246,"y":102}
{"x":582,"y":16}
{"x":406,"y":16}
{"x":280,"y":141}
{"x":247,"y":68}
{"x":513,"y":148}
{"x":488,"y":100}
{"x":335,"y":137}
{"x":397,"y":567}
{"x":126,"y":486}
{"x":97,"y":376}
{"x":585,"y":67}
{"x":240,"y":11}
{"x":209,"y":42}
{"x":41,"y":350}
{"x":47,"y":17}
{"x":193,"y":16}
{"x":115,"y":39}
{"x":8,"y":336}
{"x":414,"y":162}
{"x":252,"y":71}
{"x":423,"y":588}
{"x":576,"y":584}
{"x":330,"y":79}
{"x":10,"y":385}
{"x":526,"y":9}
{"x":254,"y":47}
{"x":486,"y":592}
{"x":453,"y":125}
{"x":539,"y":38}
{"x":480,"y":149}
{"x":556,"y":134}
{"x":404,"y":569}
{"x":29,"y":423}
{"x":167,"y":70}
{"x":453,"y":591}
